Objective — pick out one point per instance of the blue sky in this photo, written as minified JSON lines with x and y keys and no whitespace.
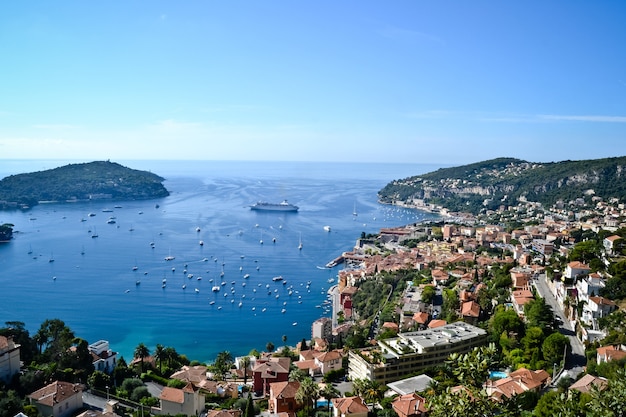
{"x":446,"y":82}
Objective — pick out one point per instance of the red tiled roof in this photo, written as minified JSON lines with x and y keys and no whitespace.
{"x":585,"y":383}
{"x":56,"y":392}
{"x":350,"y":405}
{"x":286,"y":389}
{"x":409,"y":404}
{"x":602,"y":301}
{"x":609,"y":353}
{"x":307,"y":364}
{"x":470,"y":309}
{"x":436,"y":323}
{"x":329,"y":356}
{"x":272,"y":367}
{"x":173,"y":395}
{"x":390,"y":325}
{"x":420,"y":318}
{"x":224,"y":413}
{"x":578,"y":265}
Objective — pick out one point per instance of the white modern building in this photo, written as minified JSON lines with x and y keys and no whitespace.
{"x":104,"y":359}
{"x":322,"y":328}
{"x":411,"y":352}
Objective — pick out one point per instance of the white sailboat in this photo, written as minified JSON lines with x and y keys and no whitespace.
{"x":300,"y":242}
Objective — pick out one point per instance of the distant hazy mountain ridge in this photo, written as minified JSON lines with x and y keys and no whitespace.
{"x":78,"y":182}
{"x":504,"y":181}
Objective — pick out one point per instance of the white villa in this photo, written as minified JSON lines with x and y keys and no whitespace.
{"x":9,"y":359}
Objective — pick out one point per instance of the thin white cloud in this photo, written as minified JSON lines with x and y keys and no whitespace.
{"x":584,"y":118}
{"x":514,"y":118}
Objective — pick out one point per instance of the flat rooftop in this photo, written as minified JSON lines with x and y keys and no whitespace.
{"x":423,"y":340}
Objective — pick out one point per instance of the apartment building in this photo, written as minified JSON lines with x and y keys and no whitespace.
{"x":411,"y":352}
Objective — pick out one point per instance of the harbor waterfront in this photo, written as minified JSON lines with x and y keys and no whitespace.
{"x":198,"y":270}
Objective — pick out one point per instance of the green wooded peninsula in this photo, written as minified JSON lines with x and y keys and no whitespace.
{"x":482,"y":186}
{"x":98,"y":180}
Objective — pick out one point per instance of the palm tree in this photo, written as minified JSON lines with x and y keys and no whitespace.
{"x":374,"y":392}
{"x":297,"y":374}
{"x":171,"y":355}
{"x":359,"y":386}
{"x":141,"y":352}
{"x":159,"y":355}
{"x":329,"y":392}
{"x":307,"y":393}
{"x":222,"y":363}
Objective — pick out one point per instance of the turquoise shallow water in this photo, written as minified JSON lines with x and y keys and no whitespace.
{"x":91,"y":284}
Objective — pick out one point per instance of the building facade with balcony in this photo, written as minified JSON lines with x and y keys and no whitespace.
{"x":412,"y":352}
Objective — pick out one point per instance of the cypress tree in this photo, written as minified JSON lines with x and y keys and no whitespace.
{"x":249,"y":407}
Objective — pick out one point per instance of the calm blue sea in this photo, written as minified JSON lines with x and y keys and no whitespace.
{"x":92,"y":286}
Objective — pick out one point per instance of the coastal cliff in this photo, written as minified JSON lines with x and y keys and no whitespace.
{"x":488,"y":185}
{"x":80,"y":182}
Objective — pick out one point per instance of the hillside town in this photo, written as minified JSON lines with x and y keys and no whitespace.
{"x":501,"y":313}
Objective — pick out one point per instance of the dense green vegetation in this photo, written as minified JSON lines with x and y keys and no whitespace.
{"x":100,"y":179}
{"x":489,"y":184}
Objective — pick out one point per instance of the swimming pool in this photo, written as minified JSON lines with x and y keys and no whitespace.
{"x":323,"y":403}
{"x":497,"y":374}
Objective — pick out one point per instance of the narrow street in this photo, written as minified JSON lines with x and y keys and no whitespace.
{"x":576,"y":361}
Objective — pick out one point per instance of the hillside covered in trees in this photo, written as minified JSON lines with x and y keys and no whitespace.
{"x":75,"y":182}
{"x":504,"y":181}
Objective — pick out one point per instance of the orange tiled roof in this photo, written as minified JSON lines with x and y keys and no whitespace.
{"x":602,"y":301}
{"x":286,"y":389}
{"x":585,"y":383}
{"x":420,"y":317}
{"x":409,"y":404}
{"x":610,"y":353}
{"x":470,"y":309}
{"x":272,"y":367}
{"x":193,"y":374}
{"x":306,"y":355}
{"x":174,"y":395}
{"x":224,"y":413}
{"x":436,"y":323}
{"x":56,"y":392}
{"x":307,"y":364}
{"x":349,"y":405}
{"x":578,"y":265}
{"x":329,"y":356}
